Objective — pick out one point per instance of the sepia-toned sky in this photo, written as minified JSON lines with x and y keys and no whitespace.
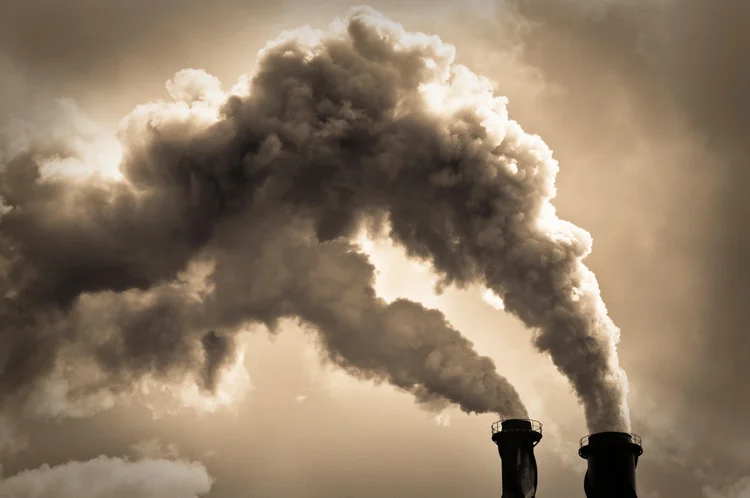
{"x":645,"y":104}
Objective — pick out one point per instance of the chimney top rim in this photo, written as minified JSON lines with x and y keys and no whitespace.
{"x":611,"y":438}
{"x":529,"y":425}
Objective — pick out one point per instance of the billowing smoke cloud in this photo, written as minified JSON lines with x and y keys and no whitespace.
{"x":105,"y":266}
{"x":106,"y":477}
{"x":364,"y":126}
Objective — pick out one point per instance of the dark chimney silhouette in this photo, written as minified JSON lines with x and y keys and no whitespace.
{"x":612,"y":458}
{"x":515,"y":439}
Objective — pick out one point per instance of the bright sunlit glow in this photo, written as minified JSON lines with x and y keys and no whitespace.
{"x":100,"y":158}
{"x":170,"y":399}
{"x":364,"y":242}
{"x":107,"y":159}
{"x":443,"y":419}
{"x":493,"y":300}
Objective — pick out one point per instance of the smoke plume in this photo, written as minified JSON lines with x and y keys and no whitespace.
{"x":365,"y":126}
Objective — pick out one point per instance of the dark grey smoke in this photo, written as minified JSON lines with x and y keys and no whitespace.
{"x":364,"y":126}
{"x":217,"y":350}
{"x":280,"y":268}
{"x":95,"y":268}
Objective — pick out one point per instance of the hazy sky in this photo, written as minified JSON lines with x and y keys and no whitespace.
{"x":645,"y":106}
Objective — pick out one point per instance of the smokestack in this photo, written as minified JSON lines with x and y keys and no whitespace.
{"x":612,"y":458}
{"x":515,"y":439}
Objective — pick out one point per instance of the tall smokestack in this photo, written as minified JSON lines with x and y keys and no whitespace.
{"x":612,"y":458}
{"x":515,"y":439}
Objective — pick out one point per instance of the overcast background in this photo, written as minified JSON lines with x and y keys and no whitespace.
{"x":646,"y":107}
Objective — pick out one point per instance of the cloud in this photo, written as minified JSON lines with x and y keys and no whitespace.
{"x":108,"y":477}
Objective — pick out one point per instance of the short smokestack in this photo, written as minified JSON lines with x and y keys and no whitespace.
{"x":612,"y":458}
{"x":515,"y":439}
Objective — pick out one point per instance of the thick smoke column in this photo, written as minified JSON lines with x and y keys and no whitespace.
{"x":363,"y":126}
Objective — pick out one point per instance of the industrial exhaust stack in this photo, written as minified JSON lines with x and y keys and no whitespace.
{"x":515,"y":439}
{"x":612,"y":458}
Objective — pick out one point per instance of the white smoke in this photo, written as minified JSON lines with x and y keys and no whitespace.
{"x":106,"y":477}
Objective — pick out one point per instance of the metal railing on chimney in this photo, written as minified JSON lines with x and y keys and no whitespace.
{"x":536,"y":426}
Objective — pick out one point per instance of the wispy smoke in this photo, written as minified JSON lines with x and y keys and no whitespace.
{"x":364,"y":126}
{"x":106,"y":477}
{"x":737,"y":490}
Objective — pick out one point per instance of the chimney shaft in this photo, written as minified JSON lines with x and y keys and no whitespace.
{"x":515,"y":439}
{"x":612,"y":458}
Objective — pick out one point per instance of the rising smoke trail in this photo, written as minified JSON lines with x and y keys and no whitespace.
{"x":365,"y":125}
{"x":330,"y":286}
